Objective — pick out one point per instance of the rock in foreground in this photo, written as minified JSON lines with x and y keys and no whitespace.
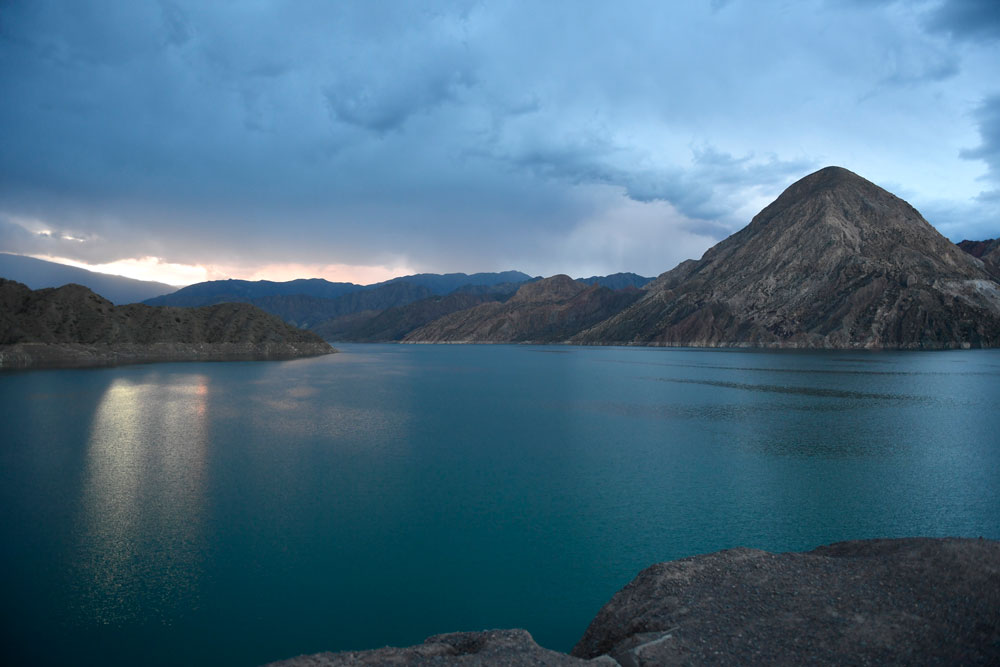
{"x":491,"y":647}
{"x":908,"y":601}
{"x":905,"y":601}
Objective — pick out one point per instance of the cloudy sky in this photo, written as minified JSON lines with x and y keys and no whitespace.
{"x":183,"y":140}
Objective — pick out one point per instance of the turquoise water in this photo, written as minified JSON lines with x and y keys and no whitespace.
{"x":236,"y":513}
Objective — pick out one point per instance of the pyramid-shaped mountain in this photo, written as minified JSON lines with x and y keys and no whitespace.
{"x":836,"y":262}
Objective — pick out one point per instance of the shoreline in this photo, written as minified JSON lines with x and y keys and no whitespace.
{"x":27,"y":356}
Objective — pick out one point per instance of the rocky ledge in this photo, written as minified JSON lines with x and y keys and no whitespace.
{"x":910,"y":601}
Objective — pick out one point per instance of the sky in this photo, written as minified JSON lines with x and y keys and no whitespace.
{"x":183,"y":141}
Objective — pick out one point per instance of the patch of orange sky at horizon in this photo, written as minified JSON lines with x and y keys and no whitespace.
{"x":155,"y":269}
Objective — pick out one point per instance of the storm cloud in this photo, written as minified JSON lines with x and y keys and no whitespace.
{"x":578,"y":137}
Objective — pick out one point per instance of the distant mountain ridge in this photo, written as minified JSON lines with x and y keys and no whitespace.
{"x":71,"y":325}
{"x":618,"y":281}
{"x":38,"y":274}
{"x":310,"y":303}
{"x":307,"y":312}
{"x":447,"y":283}
{"x":244,"y":291}
{"x":545,"y":311}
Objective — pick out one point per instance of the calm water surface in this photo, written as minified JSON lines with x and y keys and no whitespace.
{"x":236,"y":513}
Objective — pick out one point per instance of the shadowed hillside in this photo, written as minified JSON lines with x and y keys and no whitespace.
{"x":549,"y":310}
{"x":71,"y":325}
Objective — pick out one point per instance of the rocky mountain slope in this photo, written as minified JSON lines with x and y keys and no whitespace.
{"x":549,"y":310}
{"x":38,"y":274}
{"x":987,"y":251}
{"x":393,"y":324}
{"x":307,"y":311}
{"x":71,"y":325}
{"x":834,"y":262}
{"x":870,"y":602}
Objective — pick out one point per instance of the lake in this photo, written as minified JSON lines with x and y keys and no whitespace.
{"x":237,"y":513}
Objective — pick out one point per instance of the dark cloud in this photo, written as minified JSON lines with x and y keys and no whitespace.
{"x":382,"y":103}
{"x":988,"y":119}
{"x":703,"y":191}
{"x":966,"y":19}
{"x":459,"y":135}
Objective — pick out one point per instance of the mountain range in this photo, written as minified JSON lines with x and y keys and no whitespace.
{"x":834,"y":262}
{"x":546,"y":311}
{"x":38,"y":273}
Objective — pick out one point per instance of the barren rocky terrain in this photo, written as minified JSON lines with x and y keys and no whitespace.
{"x":72,"y":326}
{"x":834,"y":262}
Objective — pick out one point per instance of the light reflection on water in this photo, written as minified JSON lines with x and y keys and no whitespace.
{"x":141,"y":534}
{"x":240,"y":513}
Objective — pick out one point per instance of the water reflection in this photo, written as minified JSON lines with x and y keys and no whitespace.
{"x":790,"y":389}
{"x":142,"y":510}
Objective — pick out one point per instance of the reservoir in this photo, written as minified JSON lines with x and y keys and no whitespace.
{"x":238,"y":513}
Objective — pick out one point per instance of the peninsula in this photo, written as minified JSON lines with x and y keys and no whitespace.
{"x":73,"y":326}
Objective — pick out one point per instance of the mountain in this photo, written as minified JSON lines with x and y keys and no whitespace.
{"x":549,"y":310}
{"x":71,"y":325}
{"x":834,"y":262}
{"x":451,"y":282}
{"x":308,"y":303}
{"x":618,"y":280}
{"x":393,"y":324}
{"x":987,"y":251}
{"x":38,"y":273}
{"x":245,"y":291}
{"x":306,"y":312}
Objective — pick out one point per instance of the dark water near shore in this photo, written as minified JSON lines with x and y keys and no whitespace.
{"x":236,"y":513}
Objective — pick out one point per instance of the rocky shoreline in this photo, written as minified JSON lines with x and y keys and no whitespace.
{"x":71,"y":326}
{"x":76,"y":355}
{"x":912,"y":601}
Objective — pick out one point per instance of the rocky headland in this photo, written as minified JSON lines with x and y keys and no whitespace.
{"x":911,"y":601}
{"x":73,"y":326}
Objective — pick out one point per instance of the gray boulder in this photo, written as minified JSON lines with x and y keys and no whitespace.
{"x":913,"y":601}
{"x":491,"y":647}
{"x":873,"y":602}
